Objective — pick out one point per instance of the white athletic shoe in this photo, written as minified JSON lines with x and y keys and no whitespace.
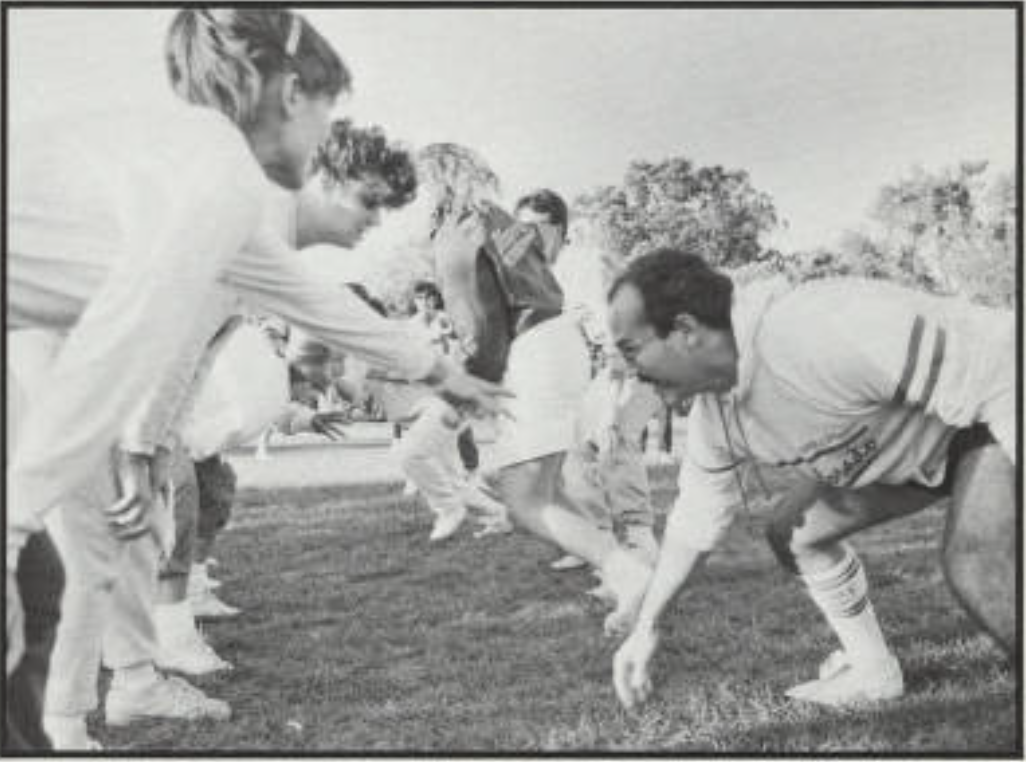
{"x":191,"y":655}
{"x":69,"y":733}
{"x":833,"y":664}
{"x":567,"y":563}
{"x":167,"y":697}
{"x":847,"y":684}
{"x":626,"y":575}
{"x":447,"y":524}
{"x":208,"y":606}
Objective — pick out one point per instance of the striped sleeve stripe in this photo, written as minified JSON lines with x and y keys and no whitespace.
{"x":911,"y":360}
{"x":939,"y":344}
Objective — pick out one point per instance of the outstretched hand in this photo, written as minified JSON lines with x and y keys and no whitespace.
{"x":631,"y":676}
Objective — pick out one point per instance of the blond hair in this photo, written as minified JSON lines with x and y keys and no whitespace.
{"x":221,"y":57}
{"x":460,"y":180}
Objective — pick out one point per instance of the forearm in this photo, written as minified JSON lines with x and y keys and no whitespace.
{"x":677,"y":562}
{"x":272,"y":279}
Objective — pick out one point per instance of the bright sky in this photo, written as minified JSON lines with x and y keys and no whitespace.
{"x":820,"y":106}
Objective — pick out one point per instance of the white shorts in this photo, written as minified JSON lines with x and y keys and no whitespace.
{"x":548,"y":371}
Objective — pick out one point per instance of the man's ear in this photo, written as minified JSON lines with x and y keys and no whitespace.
{"x":687,"y":325}
{"x":291,"y":93}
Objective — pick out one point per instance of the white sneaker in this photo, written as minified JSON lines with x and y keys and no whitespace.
{"x":848,"y":684}
{"x":447,"y":524}
{"x":69,"y":733}
{"x":208,"y":606}
{"x":191,"y":655}
{"x":168,"y":697}
{"x":626,"y":576}
{"x":833,"y":664}
{"x":567,"y":563}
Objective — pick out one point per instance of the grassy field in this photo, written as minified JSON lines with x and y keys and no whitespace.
{"x":358,"y":636}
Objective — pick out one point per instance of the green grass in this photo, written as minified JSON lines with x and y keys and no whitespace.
{"x":358,"y":636}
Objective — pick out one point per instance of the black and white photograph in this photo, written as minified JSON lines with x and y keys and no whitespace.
{"x":500,"y":379}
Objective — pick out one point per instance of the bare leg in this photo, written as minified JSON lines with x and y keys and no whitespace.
{"x":529,"y":490}
{"x":808,"y":526}
{"x":979,"y":542}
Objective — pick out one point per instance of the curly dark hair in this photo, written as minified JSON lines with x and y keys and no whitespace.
{"x":354,"y":153}
{"x":549,"y":203}
{"x":676,"y":281}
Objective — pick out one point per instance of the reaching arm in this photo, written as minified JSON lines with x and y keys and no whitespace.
{"x":274,"y":280}
{"x":705,"y":508}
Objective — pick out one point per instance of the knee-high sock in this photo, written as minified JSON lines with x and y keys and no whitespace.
{"x":842,"y":594}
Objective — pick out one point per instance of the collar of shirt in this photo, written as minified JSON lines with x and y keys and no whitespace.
{"x":751,"y":303}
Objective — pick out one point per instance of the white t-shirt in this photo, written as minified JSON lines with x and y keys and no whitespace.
{"x":846,"y":382}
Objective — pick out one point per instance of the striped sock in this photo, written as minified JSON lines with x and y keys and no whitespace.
{"x":842,"y":594}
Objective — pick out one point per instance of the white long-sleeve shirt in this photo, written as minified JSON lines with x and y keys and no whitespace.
{"x":137,"y":234}
{"x":848,"y":382}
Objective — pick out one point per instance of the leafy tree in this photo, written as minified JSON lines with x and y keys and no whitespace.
{"x":675,"y":203}
{"x":953,"y":229}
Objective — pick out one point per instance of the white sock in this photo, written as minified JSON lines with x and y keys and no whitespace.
{"x":842,"y":594}
{"x":135,"y":677}
{"x":65,"y":725}
{"x":174,"y":621}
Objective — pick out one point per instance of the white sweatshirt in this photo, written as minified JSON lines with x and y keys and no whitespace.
{"x":137,"y":234}
{"x":848,"y":382}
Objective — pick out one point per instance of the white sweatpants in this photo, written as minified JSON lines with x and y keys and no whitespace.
{"x":110,"y":586}
{"x":109,"y":599}
{"x":429,"y":456}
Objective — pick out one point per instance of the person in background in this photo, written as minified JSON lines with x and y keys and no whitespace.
{"x":604,"y":472}
{"x":495,"y":273}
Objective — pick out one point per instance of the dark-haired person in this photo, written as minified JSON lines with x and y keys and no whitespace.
{"x":136,"y":235}
{"x":496,"y":275}
{"x":880,"y":400}
{"x":359,"y":172}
